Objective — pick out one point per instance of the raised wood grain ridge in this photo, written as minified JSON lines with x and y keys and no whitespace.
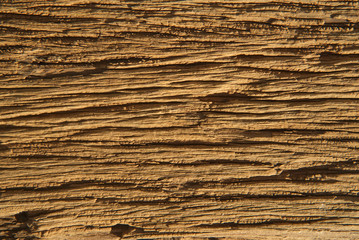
{"x":184,"y":119}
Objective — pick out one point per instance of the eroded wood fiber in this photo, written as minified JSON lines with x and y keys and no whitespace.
{"x":179,"y":119}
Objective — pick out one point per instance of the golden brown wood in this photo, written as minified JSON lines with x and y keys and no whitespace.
{"x":179,"y":119}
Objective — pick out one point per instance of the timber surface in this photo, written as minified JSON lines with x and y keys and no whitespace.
{"x":185,"y":119}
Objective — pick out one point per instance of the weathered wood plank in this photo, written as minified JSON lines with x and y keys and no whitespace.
{"x":189,"y":119}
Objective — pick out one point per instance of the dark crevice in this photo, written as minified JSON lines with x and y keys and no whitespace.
{"x":301,"y":175}
{"x":266,"y":222}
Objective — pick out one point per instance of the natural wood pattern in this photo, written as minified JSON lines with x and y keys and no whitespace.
{"x":191,"y":119}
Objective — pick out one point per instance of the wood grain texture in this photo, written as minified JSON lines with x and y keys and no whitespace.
{"x":179,"y":119}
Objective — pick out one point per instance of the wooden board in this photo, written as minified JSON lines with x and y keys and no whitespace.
{"x":179,"y":119}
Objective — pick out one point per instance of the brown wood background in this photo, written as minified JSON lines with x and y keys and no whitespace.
{"x":179,"y":119}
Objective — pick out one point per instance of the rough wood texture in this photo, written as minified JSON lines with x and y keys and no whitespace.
{"x":179,"y":119}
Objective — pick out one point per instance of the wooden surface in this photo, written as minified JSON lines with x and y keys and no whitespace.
{"x":179,"y":119}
